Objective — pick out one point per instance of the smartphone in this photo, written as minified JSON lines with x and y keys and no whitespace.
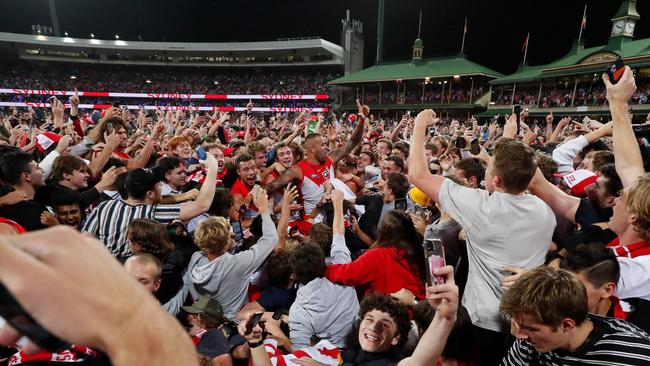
{"x":501,"y":121}
{"x":237,"y":230}
{"x":18,"y":318}
{"x":615,"y":70}
{"x":434,"y":254}
{"x":200,"y":151}
{"x":517,"y":111}
{"x":474,"y":147}
{"x":109,"y":128}
{"x":252,"y":322}
{"x":116,"y":104}
{"x":400,"y":204}
{"x":460,"y":142}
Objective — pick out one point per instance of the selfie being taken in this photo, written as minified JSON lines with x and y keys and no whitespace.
{"x":367,"y":183}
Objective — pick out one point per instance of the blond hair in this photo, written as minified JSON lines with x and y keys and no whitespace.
{"x":212,"y":235}
{"x":637,"y":201}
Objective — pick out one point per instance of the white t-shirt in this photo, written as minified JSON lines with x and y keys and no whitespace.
{"x":502,"y":230}
{"x":634,"y":281}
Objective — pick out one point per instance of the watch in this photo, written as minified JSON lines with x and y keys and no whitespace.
{"x":255,"y":344}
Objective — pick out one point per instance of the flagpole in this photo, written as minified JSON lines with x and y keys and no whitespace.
{"x":526,"y":50}
{"x":462,"y":46}
{"x":582,"y":23}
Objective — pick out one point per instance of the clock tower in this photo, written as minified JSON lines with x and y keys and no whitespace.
{"x":624,"y":21}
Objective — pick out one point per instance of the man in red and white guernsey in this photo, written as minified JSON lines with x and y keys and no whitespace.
{"x":243,"y":189}
{"x":312,"y":172}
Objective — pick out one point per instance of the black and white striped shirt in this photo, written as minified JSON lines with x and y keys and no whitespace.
{"x":613,"y":342}
{"x":109,"y":222}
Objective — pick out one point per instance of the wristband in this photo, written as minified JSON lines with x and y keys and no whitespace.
{"x":255,"y":344}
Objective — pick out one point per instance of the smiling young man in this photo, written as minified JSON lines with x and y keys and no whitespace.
{"x":550,"y":319}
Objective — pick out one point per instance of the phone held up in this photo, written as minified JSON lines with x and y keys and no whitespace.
{"x":615,"y":70}
{"x":252,"y":322}
{"x":434,"y":255}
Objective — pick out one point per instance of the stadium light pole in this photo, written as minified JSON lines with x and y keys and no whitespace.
{"x":55,"y":19}
{"x":380,"y":31}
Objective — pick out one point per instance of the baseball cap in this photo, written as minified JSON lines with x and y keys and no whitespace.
{"x":143,"y":179}
{"x":579,"y":180}
{"x":205,"y":304}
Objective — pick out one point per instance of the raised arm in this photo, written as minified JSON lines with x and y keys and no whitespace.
{"x":290,"y":194}
{"x":356,"y":136}
{"x":560,"y":202}
{"x":419,"y":174}
{"x":142,"y":160}
{"x":202,"y":203}
{"x":289,"y":175}
{"x":627,"y":155}
{"x":443,"y":298}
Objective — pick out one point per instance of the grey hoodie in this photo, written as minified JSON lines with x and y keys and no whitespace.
{"x":226,"y":278}
{"x":324,"y":309}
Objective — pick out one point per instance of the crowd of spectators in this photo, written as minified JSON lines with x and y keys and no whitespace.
{"x":133,"y":79}
{"x":592,"y":94}
{"x":173,"y":238}
{"x":415,"y":96}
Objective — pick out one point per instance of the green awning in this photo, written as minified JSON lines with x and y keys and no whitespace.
{"x":442,"y":67}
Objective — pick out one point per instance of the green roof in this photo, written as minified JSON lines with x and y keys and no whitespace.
{"x":527,"y":73}
{"x":405,"y":70}
{"x":634,"y":53}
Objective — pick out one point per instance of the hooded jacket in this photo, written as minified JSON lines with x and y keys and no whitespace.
{"x":225,"y":279}
{"x":324,"y":309}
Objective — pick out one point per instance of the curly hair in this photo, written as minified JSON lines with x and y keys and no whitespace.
{"x":151,"y":236}
{"x":395,"y":310}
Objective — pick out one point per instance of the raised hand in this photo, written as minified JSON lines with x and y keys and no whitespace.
{"x":444,"y":297}
{"x":622,"y":91}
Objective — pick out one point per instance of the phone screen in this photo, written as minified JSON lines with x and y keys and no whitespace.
{"x":237,"y":230}
{"x":434,"y":254}
{"x":400,"y":204}
{"x":252,"y":322}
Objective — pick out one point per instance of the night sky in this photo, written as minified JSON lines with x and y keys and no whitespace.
{"x":497,"y":29}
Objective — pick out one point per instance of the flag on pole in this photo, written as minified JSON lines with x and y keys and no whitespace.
{"x":524,"y":47}
{"x":462,"y":45}
{"x":583,"y":24}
